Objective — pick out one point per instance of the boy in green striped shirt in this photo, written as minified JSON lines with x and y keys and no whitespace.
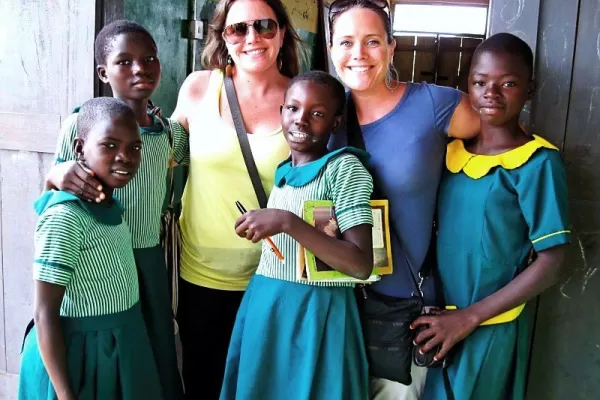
{"x":127,"y":60}
{"x":89,"y":340}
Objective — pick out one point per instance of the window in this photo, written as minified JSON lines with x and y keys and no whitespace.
{"x":457,"y":20}
{"x":435,"y":42}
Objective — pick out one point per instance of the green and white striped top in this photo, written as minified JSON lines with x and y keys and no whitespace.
{"x":144,"y":197}
{"x":86,"y":248}
{"x":339,"y":177}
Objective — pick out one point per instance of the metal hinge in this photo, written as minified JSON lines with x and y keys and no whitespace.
{"x":197,"y":29}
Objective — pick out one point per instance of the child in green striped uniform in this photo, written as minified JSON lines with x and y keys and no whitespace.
{"x":127,"y":60}
{"x":89,"y":340}
{"x":304,"y":338}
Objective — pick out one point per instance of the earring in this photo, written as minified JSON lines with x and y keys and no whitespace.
{"x":229,"y":66}
{"x":392,"y":78}
{"x":280,"y":59}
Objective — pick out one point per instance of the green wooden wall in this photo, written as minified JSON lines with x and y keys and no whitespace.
{"x":163,"y":18}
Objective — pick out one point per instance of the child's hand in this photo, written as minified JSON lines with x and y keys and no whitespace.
{"x":259,"y":224}
{"x":73,"y":177}
{"x":445,"y":329}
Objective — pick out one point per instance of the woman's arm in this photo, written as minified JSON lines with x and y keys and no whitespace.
{"x":450,"y":327}
{"x":48,"y":298}
{"x":465,"y":122}
{"x":353,"y":255}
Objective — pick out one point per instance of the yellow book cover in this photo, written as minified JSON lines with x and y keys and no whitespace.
{"x":321,"y":214}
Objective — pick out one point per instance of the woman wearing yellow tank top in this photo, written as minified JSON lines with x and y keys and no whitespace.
{"x":255,"y":42}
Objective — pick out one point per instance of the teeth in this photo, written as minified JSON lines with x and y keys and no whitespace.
{"x":359,"y":69}
{"x":121,"y":172}
{"x":299,"y":135}
{"x":254,"y":52}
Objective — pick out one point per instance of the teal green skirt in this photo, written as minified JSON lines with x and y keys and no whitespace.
{"x":108,"y":357}
{"x":293,"y":341}
{"x":155,"y":299}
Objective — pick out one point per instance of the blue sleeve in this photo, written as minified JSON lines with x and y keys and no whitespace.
{"x":444,"y":101}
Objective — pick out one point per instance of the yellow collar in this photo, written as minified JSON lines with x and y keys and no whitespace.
{"x":477,"y":165}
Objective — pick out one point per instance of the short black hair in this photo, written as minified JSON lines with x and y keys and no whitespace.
{"x":103,"y":42}
{"x":323,"y":78}
{"x":506,"y":43}
{"x":100,"y":109}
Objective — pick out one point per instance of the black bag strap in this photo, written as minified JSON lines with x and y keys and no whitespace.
{"x":169,"y":127}
{"x":355,"y":139}
{"x":242,"y":135}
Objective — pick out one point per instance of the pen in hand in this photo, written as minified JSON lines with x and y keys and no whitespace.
{"x":274,"y":248}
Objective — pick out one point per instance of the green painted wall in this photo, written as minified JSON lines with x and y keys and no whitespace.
{"x":163,"y":19}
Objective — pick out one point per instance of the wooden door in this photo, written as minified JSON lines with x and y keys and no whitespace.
{"x":46,"y":68}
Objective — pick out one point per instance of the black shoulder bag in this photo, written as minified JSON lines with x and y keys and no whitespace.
{"x":242,"y":135}
{"x":386,"y":320}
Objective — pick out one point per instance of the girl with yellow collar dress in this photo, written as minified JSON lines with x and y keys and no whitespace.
{"x":503,"y":198}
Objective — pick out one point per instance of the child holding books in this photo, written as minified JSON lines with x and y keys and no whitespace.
{"x":294,"y":339}
{"x":89,"y":340}
{"x":127,"y":60}
{"x":504,"y":195}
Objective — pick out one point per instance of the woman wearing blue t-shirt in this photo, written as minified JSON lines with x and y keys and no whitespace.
{"x":405,"y":127}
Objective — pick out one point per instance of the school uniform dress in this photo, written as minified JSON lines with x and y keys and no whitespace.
{"x":87,"y":249}
{"x":303,"y":340}
{"x":492,"y":211}
{"x":145,"y":198}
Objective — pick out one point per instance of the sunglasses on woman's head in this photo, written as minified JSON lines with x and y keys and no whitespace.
{"x":342,"y":5}
{"x":236,"y":33}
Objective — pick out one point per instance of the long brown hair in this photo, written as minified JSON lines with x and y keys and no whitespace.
{"x":215,"y":52}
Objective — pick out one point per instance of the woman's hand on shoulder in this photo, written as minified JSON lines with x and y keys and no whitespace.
{"x":445,"y":329}
{"x":465,"y":122}
{"x":191,"y":92}
{"x":75,"y":178}
{"x":256,"y":225}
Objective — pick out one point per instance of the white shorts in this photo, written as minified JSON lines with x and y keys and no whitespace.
{"x":382,"y":389}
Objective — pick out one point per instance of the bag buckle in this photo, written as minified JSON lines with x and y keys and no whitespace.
{"x":419,"y":286}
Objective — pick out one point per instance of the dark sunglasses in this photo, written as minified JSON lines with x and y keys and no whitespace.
{"x":236,"y":33}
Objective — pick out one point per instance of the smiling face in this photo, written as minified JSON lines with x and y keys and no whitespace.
{"x":499,"y":86}
{"x":113,"y":150}
{"x":360,"y":50}
{"x":308,"y":116}
{"x":132,"y":67}
{"x":254,"y":53}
